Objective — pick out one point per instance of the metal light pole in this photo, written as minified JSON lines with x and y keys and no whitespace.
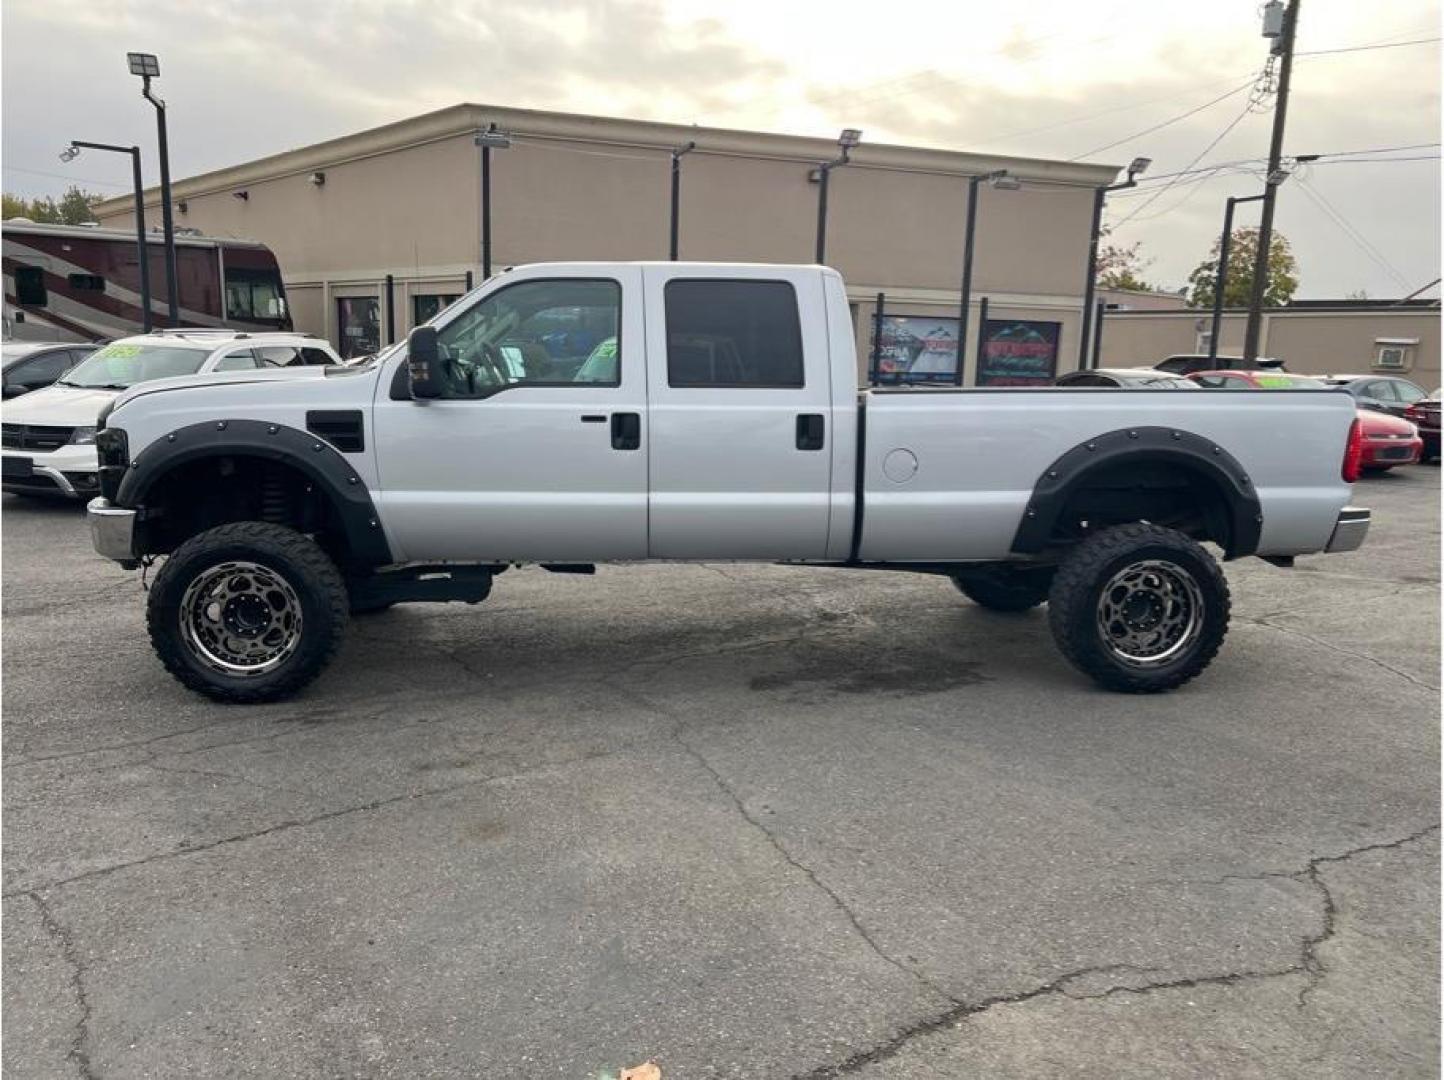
{"x":489,"y":140}
{"x":687,"y":148}
{"x":72,"y":152}
{"x":1136,"y":168}
{"x":148,"y":67}
{"x":1284,"y":45}
{"x":846,"y":141}
{"x":1000,"y":179}
{"x":1221,"y":280}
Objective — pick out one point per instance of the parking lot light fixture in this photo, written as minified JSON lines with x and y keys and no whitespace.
{"x":847,"y":142}
{"x":70,"y":153}
{"x":1136,"y":168}
{"x":488,"y":139}
{"x":1001,"y":180}
{"x":677,"y":152}
{"x":147,"y":66}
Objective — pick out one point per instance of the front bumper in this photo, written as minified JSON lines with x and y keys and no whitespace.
{"x":71,"y":471}
{"x":112,"y":531}
{"x":1349,"y":530}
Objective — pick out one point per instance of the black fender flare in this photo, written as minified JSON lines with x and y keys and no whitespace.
{"x":316,"y":458}
{"x":1151,"y":445}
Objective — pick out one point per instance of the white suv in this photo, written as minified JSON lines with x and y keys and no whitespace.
{"x":48,"y":445}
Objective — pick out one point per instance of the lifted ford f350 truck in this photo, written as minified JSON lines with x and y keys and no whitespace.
{"x":576,"y":413}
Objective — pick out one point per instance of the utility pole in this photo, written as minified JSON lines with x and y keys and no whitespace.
{"x":1284,"y":48}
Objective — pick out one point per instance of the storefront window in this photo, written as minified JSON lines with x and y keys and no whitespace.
{"x":426,"y":306}
{"x":358,"y":319}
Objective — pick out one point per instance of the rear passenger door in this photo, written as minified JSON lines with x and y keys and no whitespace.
{"x":739,"y":390}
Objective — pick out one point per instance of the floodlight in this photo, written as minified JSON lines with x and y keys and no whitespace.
{"x":144,"y":64}
{"x":1139,"y":166}
{"x":70,"y":153}
{"x":849,"y":138}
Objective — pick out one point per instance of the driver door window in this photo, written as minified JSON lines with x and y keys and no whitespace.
{"x":534,"y":333}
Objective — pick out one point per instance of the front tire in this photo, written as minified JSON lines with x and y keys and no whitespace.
{"x":247,"y":612}
{"x":1139,"y":608}
{"x":1005,"y":588}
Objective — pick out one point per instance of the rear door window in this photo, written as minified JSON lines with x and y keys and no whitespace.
{"x":243,"y":360}
{"x":733,"y":334}
{"x":279,"y":356}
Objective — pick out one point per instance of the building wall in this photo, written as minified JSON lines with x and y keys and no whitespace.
{"x":1309,"y":342}
{"x":404,"y":201}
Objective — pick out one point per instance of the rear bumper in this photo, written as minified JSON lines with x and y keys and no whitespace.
{"x":112,"y":530}
{"x":1349,"y":530}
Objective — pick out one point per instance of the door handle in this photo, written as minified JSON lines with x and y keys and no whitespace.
{"x":626,"y":431}
{"x":810,"y":431}
{"x":593,"y":418}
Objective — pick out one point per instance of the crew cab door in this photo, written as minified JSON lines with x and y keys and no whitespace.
{"x":538,"y":449}
{"x":740,"y":413}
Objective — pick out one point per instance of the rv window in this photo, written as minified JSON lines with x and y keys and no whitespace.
{"x":254,"y":295}
{"x":90,"y":282}
{"x":30,"y":286}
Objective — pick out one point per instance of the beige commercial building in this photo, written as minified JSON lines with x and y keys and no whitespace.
{"x":1311,"y":337}
{"x":404,"y":201}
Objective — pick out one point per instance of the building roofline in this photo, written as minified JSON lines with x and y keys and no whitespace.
{"x":465,"y":118}
{"x":1311,"y":308}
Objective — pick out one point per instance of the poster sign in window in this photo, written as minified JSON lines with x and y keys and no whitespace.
{"x":1018,"y":352}
{"x":917,"y":349}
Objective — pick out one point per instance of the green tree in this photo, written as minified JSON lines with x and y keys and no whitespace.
{"x":1283,"y":270}
{"x":1122,"y":267}
{"x":72,"y":208}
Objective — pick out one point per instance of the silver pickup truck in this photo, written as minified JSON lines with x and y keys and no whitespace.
{"x":571,"y":414}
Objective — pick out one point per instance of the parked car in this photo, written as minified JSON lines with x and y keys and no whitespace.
{"x":1383,"y":393}
{"x":47,"y":446}
{"x":1127,"y":378}
{"x":31,"y":365}
{"x":1256,"y":380}
{"x":1188,"y":363}
{"x":729,"y":428}
{"x":1388,"y":441}
{"x":1424,"y":414}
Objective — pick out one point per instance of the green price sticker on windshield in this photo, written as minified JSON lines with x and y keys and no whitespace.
{"x":118,"y":352}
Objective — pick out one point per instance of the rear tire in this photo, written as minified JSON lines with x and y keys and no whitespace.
{"x":1139,"y":608}
{"x":247,"y":612}
{"x":1001,"y":587}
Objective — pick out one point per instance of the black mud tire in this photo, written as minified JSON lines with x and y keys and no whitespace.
{"x":318,"y":586}
{"x":1073,"y":606}
{"x":1005,"y":588}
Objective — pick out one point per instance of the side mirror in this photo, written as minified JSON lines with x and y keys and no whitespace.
{"x":423,"y":363}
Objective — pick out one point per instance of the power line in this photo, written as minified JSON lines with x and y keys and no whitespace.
{"x":1199,"y":157}
{"x":1352,"y":233}
{"x":1369,"y":48}
{"x":1166,"y":123}
{"x":67,"y":176}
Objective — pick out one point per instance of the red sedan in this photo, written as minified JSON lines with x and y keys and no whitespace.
{"x":1388,"y":440}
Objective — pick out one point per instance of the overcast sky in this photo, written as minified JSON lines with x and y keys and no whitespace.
{"x":1046,"y":78}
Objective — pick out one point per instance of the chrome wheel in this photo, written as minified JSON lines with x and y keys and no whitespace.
{"x":1149,"y":612}
{"x":240,"y":618}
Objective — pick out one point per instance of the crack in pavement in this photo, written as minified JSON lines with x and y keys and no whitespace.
{"x":300,"y":823}
{"x":678,"y":736}
{"x":57,"y":933}
{"x":55,"y":600}
{"x":1309,"y":966}
{"x":1263,"y":621}
{"x":808,"y":872}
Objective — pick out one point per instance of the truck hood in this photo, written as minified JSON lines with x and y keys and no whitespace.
{"x":213,"y":379}
{"x":57,"y":406}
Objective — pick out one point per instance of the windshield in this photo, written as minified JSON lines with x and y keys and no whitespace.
{"x":118,"y":366}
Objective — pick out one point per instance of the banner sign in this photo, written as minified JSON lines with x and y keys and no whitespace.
{"x":917,"y":349}
{"x":1018,"y":352}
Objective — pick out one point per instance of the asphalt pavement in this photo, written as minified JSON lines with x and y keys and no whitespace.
{"x":745,"y":821}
